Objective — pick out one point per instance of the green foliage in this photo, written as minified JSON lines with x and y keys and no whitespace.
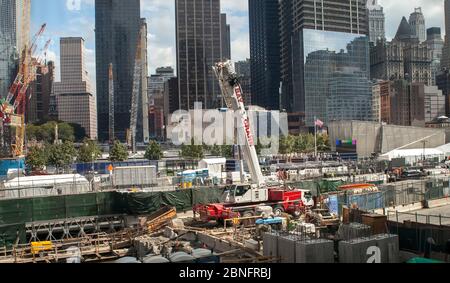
{"x":61,"y":155}
{"x":118,"y":152}
{"x":153,"y":151}
{"x":36,"y":158}
{"x":192,"y":151}
{"x":46,"y":132}
{"x":303,"y":143}
{"x":89,"y":152}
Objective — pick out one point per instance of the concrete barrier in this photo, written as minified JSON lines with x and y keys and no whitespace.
{"x":314,"y":251}
{"x":378,"y":249}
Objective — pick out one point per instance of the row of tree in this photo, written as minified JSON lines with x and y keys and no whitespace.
{"x":46,"y":132}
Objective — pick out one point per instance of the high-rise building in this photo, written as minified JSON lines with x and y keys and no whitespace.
{"x":435,"y":45}
{"x":443,"y":84}
{"x":376,"y":20}
{"x":199,"y":47}
{"x":74,"y":96}
{"x":38,"y":106}
{"x":402,"y":58}
{"x":225,"y":33}
{"x":143,"y":122}
{"x":417,"y":22}
{"x":402,"y":103}
{"x":265,"y":53}
{"x":14,"y":36}
{"x":445,"y":62}
{"x":157,"y":100}
{"x":244,"y":73}
{"x":117,"y":29}
{"x":307,"y":28}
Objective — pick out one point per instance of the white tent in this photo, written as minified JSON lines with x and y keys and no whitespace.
{"x":214,"y":165}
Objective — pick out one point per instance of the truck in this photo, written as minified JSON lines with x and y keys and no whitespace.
{"x":242,"y":200}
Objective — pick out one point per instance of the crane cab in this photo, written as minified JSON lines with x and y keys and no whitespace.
{"x":245,"y":194}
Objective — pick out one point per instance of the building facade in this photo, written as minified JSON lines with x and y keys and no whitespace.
{"x":244,"y":73}
{"x":376,"y":20}
{"x":14,"y":36}
{"x":402,"y":103}
{"x":417,"y":23}
{"x":434,"y":104}
{"x":265,"y":53}
{"x":225,"y":33}
{"x":74,"y":96}
{"x":376,"y":101}
{"x":38,"y":106}
{"x":435,"y":45}
{"x":199,"y":47}
{"x":304,"y":26}
{"x":329,"y":57}
{"x":117,"y":26}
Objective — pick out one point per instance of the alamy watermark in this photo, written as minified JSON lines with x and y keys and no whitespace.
{"x":228,"y":127}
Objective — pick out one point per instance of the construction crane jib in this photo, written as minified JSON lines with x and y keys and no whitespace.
{"x":233,"y":96}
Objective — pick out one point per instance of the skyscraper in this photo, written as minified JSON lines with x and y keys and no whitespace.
{"x":327,"y":28}
{"x":117,"y":28}
{"x":376,"y":21}
{"x":14,"y":35}
{"x":435,"y":45}
{"x":199,"y":47}
{"x":225,"y":32}
{"x":417,"y":22}
{"x":265,"y":53}
{"x":74,"y":96}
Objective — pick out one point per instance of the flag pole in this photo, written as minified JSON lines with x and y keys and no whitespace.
{"x":315,"y":137}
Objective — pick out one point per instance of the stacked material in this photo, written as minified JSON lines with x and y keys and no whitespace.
{"x":378,"y":249}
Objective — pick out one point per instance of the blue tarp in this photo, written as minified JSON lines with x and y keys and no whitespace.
{"x":11,"y":164}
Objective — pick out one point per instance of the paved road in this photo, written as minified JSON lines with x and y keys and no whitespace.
{"x":426,"y":216}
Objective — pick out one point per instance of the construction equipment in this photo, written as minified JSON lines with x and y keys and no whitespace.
{"x":243,"y":200}
{"x":13,"y":108}
{"x":111,"y":105}
{"x":136,"y":90}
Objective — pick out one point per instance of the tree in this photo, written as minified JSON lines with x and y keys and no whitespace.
{"x":61,"y":155}
{"x":89,"y":151}
{"x":192,"y":151}
{"x":36,"y":158}
{"x":79,"y":132}
{"x":118,"y":152}
{"x":46,"y":132}
{"x":153,"y":151}
{"x":216,"y":150}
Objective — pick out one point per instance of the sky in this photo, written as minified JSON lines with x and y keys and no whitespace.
{"x":77,"y":18}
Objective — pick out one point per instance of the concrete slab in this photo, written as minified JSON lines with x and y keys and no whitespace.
{"x":315,"y":251}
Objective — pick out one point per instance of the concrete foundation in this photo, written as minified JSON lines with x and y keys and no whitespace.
{"x":377,"y":249}
{"x":352,"y":231}
{"x":270,"y":245}
{"x":286,"y":248}
{"x":315,"y":251}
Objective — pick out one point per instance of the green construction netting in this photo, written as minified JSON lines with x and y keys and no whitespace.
{"x":9,"y":234}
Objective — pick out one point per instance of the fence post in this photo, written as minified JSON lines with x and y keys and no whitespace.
{"x":440,"y":219}
{"x":417,"y":219}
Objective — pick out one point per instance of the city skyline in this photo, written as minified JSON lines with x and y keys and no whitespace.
{"x":160,"y":15}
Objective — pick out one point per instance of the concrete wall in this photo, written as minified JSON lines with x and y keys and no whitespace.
{"x":376,"y":138}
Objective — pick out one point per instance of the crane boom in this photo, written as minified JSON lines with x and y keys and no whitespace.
{"x":233,"y":96}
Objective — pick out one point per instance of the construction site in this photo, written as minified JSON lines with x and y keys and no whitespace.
{"x":133,"y":212}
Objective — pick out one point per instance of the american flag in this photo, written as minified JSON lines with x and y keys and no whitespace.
{"x":319,"y":123}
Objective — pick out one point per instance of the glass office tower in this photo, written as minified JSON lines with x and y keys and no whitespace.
{"x":332,"y":76}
